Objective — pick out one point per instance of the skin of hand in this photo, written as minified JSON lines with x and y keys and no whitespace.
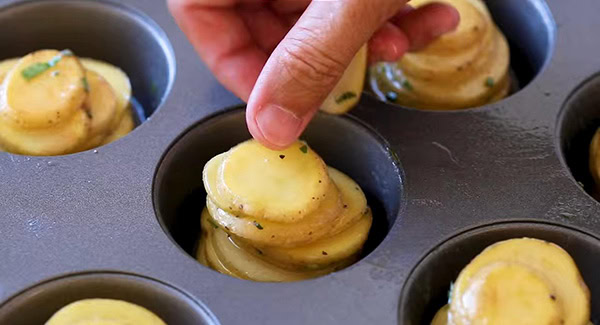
{"x":283,"y":57}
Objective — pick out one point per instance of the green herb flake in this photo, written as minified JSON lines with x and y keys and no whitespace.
{"x":345,"y":96}
{"x":258,"y":225}
{"x":489,"y":82}
{"x":34,"y":70}
{"x":304,"y":149}
{"x":66,"y":52}
{"x":212,"y":222}
{"x":407,"y":85}
{"x":86,"y":85}
{"x":391,"y":96}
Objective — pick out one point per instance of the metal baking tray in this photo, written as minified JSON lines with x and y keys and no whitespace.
{"x":120,"y":221}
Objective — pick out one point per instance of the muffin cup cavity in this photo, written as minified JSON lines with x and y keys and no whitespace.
{"x":342,"y":142}
{"x":577,"y":123}
{"x":37,"y":304}
{"x":101,"y":30}
{"x":426,"y":289}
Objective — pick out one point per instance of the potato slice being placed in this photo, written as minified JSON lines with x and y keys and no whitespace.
{"x":520,"y":281}
{"x":281,"y":186}
{"x":348,"y":90}
{"x":104,"y":311}
{"x":353,"y":200}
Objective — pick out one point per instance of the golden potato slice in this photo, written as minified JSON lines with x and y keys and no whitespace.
{"x":64,"y":138}
{"x":6,"y":66}
{"x":116,"y":78}
{"x":441,"y":317}
{"x":537,"y":281}
{"x":125,"y":126}
{"x":104,"y":311}
{"x":101,"y":105}
{"x":248,"y":265}
{"x":348,"y":90}
{"x":280,"y":186}
{"x":353,"y":200}
{"x":594,"y":160}
{"x":326,"y":251}
{"x":262,"y":232}
{"x":52,"y":96}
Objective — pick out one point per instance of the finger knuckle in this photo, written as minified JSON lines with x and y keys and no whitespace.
{"x":310,"y":64}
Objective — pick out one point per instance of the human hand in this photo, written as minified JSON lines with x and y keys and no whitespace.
{"x":284,"y":56}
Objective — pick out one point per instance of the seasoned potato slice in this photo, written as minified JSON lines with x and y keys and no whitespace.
{"x":281,"y":186}
{"x":6,"y":66}
{"x":117,"y":79}
{"x":353,"y":200}
{"x":328,"y":250}
{"x":104,"y":311}
{"x":125,"y":126}
{"x":262,"y":232}
{"x":101,"y":105}
{"x":595,"y":158}
{"x":348,"y":90}
{"x":61,"y":139}
{"x":441,"y":317}
{"x":47,"y":99}
{"x":537,"y":281}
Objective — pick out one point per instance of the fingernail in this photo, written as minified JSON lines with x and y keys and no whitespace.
{"x":278,"y":125}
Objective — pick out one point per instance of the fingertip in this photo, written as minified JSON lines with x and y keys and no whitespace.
{"x":449,"y":17}
{"x":388,"y":44}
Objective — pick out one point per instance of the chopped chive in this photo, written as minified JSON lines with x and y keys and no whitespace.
{"x":34,"y":70}
{"x":407,"y":85}
{"x":345,"y":96}
{"x":304,"y":149}
{"x":489,"y":82}
{"x":86,"y":85}
{"x":258,"y":225}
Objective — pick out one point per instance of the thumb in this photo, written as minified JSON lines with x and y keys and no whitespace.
{"x":307,"y":65}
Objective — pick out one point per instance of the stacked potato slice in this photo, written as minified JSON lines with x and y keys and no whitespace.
{"x":104,"y":311}
{"x":52,"y":103}
{"x":280,"y":215}
{"x":466,"y":68}
{"x":519,"y":281}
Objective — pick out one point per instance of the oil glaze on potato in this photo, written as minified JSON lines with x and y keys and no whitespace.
{"x":465,"y":68}
{"x":326,"y":231}
{"x":52,"y":104}
{"x":520,"y":281}
{"x":104,"y":311}
{"x":281,"y":186}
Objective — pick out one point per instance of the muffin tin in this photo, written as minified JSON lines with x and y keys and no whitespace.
{"x":121,"y":221}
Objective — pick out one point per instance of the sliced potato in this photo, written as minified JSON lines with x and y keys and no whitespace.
{"x":348,"y":90}
{"x":47,"y":99}
{"x":441,"y":317}
{"x":101,"y":105}
{"x":260,"y":232}
{"x":280,"y":186}
{"x":6,"y":66}
{"x":125,"y":126}
{"x":116,"y":78}
{"x":537,"y":281}
{"x":104,"y":311}
{"x":594,"y":161}
{"x":326,"y":251}
{"x":65,"y":138}
{"x":353,"y":200}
